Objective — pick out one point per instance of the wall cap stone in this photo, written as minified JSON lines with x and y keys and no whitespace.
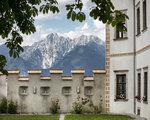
{"x":13,"y":72}
{"x":45,"y":78}
{"x":34,"y":72}
{"x":56,"y":71}
{"x":78,"y":71}
{"x":23,"y":79}
{"x":66,"y":78}
{"x":89,"y":78}
{"x":99,"y":71}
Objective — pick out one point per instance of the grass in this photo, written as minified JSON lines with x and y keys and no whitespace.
{"x":29,"y":117}
{"x":97,"y":117}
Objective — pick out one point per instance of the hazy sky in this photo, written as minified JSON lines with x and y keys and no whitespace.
{"x":58,"y":23}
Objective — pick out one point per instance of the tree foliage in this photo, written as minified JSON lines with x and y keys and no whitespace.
{"x":17,"y":18}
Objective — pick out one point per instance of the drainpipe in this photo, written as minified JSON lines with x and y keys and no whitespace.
{"x":134,"y":55}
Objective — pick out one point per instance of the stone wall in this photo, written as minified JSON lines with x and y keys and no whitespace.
{"x":34,"y":92}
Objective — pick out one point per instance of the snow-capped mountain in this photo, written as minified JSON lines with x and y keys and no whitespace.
{"x":55,"y":51}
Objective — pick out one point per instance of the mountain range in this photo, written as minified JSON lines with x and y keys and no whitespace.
{"x":87,"y":52}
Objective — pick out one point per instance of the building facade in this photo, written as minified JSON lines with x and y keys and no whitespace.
{"x":34,"y":93}
{"x":128,"y":61}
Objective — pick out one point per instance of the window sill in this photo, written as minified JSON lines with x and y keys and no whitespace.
{"x":144,"y":30}
{"x":139,"y":34}
{"x":45,"y":94}
{"x":23,"y":94}
{"x":145,"y":102}
{"x":139,"y":101}
{"x":88,"y":95}
{"x":120,"y":39}
{"x":120,"y":100}
{"x":67,"y":94}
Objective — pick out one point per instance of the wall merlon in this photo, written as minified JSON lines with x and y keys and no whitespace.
{"x":45,"y":78}
{"x":99,"y":71}
{"x":34,"y":72}
{"x":23,"y":79}
{"x":89,"y":78}
{"x":66,"y":78}
{"x":78,"y":71}
{"x":56,"y":71}
{"x":13,"y":72}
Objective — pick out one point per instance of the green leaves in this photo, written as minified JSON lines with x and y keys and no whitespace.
{"x":49,"y":6}
{"x":3,"y":63}
{"x":75,"y":11}
{"x":119,"y":21}
{"x":14,"y":44}
{"x":104,"y":11}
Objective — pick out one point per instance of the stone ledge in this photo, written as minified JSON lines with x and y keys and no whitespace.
{"x":45,"y":78}
{"x":23,"y":79}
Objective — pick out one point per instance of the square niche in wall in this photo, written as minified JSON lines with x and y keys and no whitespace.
{"x":23,"y":90}
{"x":88,"y":90}
{"x":66,"y":91}
{"x":45,"y":90}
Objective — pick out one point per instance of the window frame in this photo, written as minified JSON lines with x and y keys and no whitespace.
{"x":121,"y":86}
{"x":121,"y":72}
{"x":144,"y":5}
{"x":145,"y":86}
{"x":24,"y":88}
{"x":121,"y":35}
{"x":138,"y":19}
{"x":66,"y":88}
{"x":139,"y":85}
{"x":87,"y":89}
{"x":47,"y":88}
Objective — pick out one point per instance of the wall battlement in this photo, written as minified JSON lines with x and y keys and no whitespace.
{"x":42,"y":89}
{"x":58,"y":71}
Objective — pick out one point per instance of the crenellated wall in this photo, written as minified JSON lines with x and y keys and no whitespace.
{"x":34,"y":92}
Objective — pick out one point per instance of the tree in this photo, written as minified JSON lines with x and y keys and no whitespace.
{"x":17,"y":18}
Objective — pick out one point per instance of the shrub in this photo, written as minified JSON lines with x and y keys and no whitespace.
{"x":12,"y":107}
{"x":78,"y":107}
{"x":3,"y":106}
{"x":55,"y":106}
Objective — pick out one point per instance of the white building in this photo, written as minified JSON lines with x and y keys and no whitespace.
{"x":128,"y":61}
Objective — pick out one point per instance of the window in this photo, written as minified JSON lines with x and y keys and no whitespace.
{"x":139,"y":86}
{"x":121,"y":86}
{"x":88,"y":91}
{"x":23,"y":90}
{"x":66,"y":91}
{"x":138,"y":20}
{"x":144,"y":15}
{"x":138,"y":111}
{"x":45,"y":90}
{"x":145,"y":86}
{"x":121,"y":35}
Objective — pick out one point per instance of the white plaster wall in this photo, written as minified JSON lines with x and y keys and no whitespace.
{"x":143,"y":39}
{"x":3,"y":86}
{"x":142,"y":62}
{"x":121,"y":107}
{"x":126,"y":45}
{"x":126,"y":62}
{"x":122,"y":62}
{"x":143,"y":59}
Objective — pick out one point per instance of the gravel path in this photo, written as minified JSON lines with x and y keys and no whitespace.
{"x":62,"y":116}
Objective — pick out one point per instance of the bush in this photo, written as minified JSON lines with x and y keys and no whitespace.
{"x":55,"y":106}
{"x":12,"y":107}
{"x":77,"y":107}
{"x":3,"y":106}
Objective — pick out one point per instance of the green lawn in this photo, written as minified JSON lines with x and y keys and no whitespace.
{"x":29,"y":117}
{"x":97,"y":117}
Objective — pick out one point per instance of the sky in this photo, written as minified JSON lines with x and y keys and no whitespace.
{"x":58,"y":23}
